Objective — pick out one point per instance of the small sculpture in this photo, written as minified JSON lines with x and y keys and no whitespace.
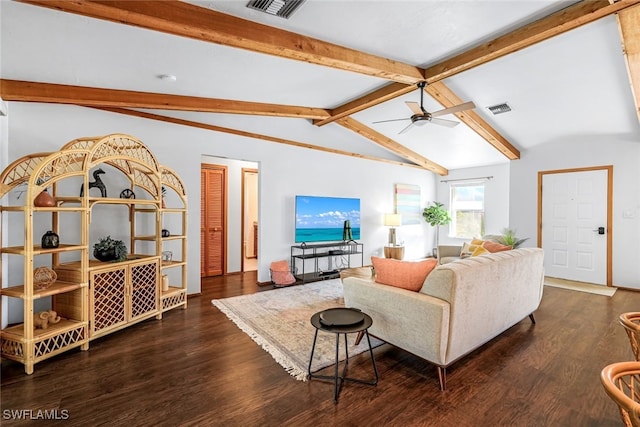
{"x":44,"y":318}
{"x":97,"y":183}
{"x":127,"y":193}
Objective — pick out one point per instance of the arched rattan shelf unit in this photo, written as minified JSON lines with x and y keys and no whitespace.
{"x":133,"y":286}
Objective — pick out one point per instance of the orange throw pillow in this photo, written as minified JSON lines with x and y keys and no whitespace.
{"x":402,"y":274}
{"x":495,"y":247}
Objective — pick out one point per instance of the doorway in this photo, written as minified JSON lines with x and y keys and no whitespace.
{"x":213,"y":220}
{"x":249,"y":219}
{"x":575,"y":223}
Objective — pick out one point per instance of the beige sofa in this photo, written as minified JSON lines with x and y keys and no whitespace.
{"x":461,"y":306}
{"x":448,"y":253}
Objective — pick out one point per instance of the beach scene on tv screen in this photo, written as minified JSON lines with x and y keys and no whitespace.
{"x":321,"y":219}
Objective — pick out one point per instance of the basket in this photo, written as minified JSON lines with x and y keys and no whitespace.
{"x":43,"y":277}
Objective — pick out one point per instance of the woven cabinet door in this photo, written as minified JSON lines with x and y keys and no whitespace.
{"x":108,"y":299}
{"x":145,"y":293}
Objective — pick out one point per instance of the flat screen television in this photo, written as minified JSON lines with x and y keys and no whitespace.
{"x":321,"y":219}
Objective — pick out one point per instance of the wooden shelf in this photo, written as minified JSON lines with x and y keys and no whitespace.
{"x":37,"y":249}
{"x":63,"y":326}
{"x":94,"y":264}
{"x":66,"y":199}
{"x":58,"y":287}
{"x":118,"y":201}
{"x":172,"y":290}
{"x":173,"y":210}
{"x":176,"y":237}
{"x":150,"y":238}
{"x":153,"y":237}
{"x":170,"y":264}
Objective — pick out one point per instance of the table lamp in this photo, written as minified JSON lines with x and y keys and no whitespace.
{"x":392,"y":220}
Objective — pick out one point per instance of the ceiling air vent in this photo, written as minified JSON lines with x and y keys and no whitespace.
{"x":500,"y":108}
{"x":281,"y":8}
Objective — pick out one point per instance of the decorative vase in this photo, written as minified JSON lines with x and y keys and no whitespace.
{"x":105,"y":254}
{"x":50,"y":240}
{"x":44,"y":200}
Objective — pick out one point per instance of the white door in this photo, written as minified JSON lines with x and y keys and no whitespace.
{"x":574,"y":208}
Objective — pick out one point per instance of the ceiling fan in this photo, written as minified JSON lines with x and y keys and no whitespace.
{"x":421,"y":116}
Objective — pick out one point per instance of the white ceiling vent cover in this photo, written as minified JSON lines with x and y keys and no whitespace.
{"x":281,"y":8}
{"x":500,"y":108}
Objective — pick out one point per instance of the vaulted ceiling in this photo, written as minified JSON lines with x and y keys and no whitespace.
{"x":321,"y":78}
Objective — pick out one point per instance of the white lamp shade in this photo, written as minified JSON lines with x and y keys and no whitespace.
{"x":392,"y":220}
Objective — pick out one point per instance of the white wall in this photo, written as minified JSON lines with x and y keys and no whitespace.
{"x":4,"y":155}
{"x":284,"y":172}
{"x":583,"y":152}
{"x":496,"y":193}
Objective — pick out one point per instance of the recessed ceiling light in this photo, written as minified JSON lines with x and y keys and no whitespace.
{"x":167,"y":77}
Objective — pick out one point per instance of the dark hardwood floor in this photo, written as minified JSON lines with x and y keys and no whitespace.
{"x":195,"y":367}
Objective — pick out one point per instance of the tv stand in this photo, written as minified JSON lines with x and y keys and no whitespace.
{"x":338,"y":255}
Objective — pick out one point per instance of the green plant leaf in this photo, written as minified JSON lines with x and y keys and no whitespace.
{"x":436,"y":215}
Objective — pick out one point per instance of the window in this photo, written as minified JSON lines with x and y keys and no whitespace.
{"x":467,"y":210}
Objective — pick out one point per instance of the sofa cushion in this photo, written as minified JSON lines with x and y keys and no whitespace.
{"x":495,"y":247}
{"x":479,"y":250}
{"x":402,"y":274}
{"x":468,"y":248}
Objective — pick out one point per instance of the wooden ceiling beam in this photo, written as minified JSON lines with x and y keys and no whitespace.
{"x":550,"y":26}
{"x":445,"y":96}
{"x":188,"y":20}
{"x":629,"y":24}
{"x":560,"y":22}
{"x":376,"y":97}
{"x":391,"y":145}
{"x":15,"y":90}
{"x":253,"y":135}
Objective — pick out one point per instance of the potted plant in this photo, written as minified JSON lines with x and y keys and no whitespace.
{"x":108,"y":249}
{"x":436,"y":215}
{"x":508,"y":238}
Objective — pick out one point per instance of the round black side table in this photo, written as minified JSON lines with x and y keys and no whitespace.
{"x":342,"y":321}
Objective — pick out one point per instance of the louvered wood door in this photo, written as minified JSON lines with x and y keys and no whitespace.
{"x":212,"y":232}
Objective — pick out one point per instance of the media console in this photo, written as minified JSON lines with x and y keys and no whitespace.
{"x":337,"y":255}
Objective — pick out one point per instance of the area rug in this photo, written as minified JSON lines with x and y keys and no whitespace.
{"x":579,"y":286}
{"x":279,"y":321}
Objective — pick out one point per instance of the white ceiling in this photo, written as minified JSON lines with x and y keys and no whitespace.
{"x":566,"y":88}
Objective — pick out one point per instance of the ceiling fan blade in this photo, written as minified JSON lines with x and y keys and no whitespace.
{"x":466,"y":106}
{"x":392,"y":120}
{"x":414,"y":107}
{"x":445,"y":122}
{"x":407,"y":129}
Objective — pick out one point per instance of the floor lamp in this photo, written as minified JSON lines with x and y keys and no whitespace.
{"x":392,"y":220}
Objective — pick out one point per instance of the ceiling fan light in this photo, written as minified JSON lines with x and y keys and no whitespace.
{"x":421,"y":122}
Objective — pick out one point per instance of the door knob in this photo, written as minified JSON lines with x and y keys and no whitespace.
{"x":599,"y":230}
